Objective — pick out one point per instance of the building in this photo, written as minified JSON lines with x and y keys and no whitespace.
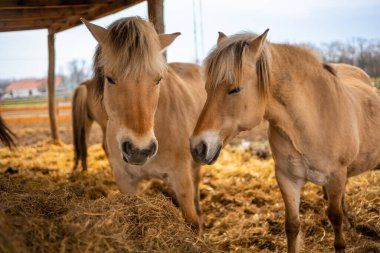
{"x":30,"y":87}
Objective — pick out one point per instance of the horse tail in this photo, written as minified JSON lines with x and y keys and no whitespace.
{"x":79,"y":119}
{"x":6,"y":135}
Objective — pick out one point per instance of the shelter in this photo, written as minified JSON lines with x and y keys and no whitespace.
{"x":60,"y":15}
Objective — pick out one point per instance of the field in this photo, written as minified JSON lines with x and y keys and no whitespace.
{"x":44,"y":207}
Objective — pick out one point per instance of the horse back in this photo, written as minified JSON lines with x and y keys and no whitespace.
{"x":349,"y":73}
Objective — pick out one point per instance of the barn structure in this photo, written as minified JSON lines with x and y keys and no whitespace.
{"x":60,"y":15}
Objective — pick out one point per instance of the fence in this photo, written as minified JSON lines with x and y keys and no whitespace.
{"x":33,"y":110}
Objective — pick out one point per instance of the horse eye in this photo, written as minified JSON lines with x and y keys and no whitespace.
{"x":157,"y":82}
{"x":110,"y":80}
{"x":234,"y":91}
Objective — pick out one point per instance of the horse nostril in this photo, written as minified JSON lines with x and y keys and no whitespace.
{"x":153,"y":148}
{"x":149,"y":152}
{"x":127,"y":147}
{"x":201,"y":150}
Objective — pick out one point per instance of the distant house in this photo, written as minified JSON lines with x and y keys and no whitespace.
{"x":29,"y":87}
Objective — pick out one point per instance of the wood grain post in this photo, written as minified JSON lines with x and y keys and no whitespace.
{"x":51,"y":88}
{"x":156,"y":15}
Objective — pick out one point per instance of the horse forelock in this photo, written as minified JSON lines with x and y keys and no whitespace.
{"x":224,"y":64}
{"x":132,"y":48}
{"x":98,"y":74}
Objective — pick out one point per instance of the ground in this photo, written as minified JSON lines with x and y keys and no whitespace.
{"x":46,"y":208}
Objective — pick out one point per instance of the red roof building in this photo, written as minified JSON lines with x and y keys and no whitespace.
{"x":30,"y":88}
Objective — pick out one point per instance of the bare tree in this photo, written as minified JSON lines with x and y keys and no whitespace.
{"x":78,"y":72}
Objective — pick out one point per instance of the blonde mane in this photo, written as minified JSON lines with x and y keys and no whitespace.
{"x":132,"y":48}
{"x":224,"y":64}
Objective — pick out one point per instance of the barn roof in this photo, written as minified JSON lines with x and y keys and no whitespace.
{"x":55,"y":15}
{"x":31,"y":84}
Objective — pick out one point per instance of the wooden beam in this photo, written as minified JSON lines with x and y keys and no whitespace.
{"x":21,"y":28}
{"x":33,"y":24}
{"x":33,"y":14}
{"x":51,"y":89}
{"x":25,"y":4}
{"x":116,"y":6}
{"x":156,"y":14}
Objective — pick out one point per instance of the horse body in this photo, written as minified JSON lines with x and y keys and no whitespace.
{"x":323,"y":129}
{"x":151,"y":109}
{"x":85,"y":110}
{"x":327,"y":119}
{"x":323,"y":119}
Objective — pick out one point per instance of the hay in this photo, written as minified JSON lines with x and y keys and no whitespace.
{"x":244,"y":211}
{"x":44,"y":209}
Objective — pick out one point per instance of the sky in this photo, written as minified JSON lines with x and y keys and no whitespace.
{"x":24,"y":54}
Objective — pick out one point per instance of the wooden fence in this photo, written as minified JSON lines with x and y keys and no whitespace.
{"x":33,"y":110}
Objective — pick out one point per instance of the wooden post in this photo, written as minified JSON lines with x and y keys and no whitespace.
{"x":51,"y":88}
{"x":156,"y":15}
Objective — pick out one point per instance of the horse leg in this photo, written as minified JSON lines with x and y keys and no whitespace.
{"x":346,"y":220}
{"x":290,"y":188}
{"x":104,"y":144}
{"x":181,"y":182}
{"x":335,"y":190}
{"x":88,"y":125}
{"x":196,"y":180}
{"x":325,"y":197}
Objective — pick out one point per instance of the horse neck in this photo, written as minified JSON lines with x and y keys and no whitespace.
{"x":298,"y":79}
{"x":304,"y":97}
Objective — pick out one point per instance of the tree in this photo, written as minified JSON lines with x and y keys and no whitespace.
{"x":78,"y":72}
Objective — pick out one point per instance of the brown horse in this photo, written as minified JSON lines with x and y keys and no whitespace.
{"x":85,"y":110}
{"x":6,"y":135}
{"x":324,"y":123}
{"x":151,"y":109}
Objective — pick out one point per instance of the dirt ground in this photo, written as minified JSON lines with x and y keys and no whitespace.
{"x":45,"y":208}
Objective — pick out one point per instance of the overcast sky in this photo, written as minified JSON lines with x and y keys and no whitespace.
{"x":24,"y":54}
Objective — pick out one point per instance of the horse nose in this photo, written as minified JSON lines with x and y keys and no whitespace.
{"x":199,"y":152}
{"x":127,"y":147}
{"x":135,"y":155}
{"x":151,"y":150}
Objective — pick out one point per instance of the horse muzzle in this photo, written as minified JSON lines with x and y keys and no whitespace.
{"x":136,"y":156}
{"x":206,"y":148}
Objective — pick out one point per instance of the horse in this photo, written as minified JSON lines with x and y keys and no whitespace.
{"x":323,"y":124}
{"x":85,"y":110}
{"x":6,"y":135}
{"x":151,"y":107}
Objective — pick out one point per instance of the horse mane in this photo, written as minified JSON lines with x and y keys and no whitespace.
{"x":132,"y":48}
{"x":224,"y":64}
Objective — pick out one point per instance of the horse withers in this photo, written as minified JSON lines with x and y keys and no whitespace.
{"x":324,"y":120}
{"x":151,"y":109}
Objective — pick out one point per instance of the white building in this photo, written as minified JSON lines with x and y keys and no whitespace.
{"x":29,"y":88}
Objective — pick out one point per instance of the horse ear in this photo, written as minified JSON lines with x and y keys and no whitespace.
{"x":256,"y":46}
{"x":221,"y":38}
{"x":99,"y":33}
{"x":167,"y":39}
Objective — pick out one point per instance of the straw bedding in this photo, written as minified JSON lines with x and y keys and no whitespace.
{"x":45,"y":208}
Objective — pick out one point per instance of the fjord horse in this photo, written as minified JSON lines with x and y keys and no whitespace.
{"x":85,"y":110}
{"x":6,"y":135}
{"x":151,"y":107}
{"x":324,"y":124}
